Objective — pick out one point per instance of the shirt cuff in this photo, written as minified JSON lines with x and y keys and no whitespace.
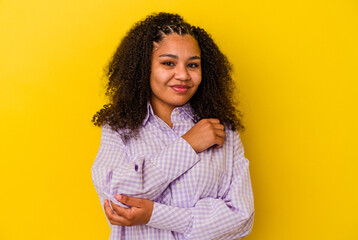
{"x":170,"y":218}
{"x":177,"y":158}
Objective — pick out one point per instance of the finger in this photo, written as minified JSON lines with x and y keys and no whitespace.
{"x":220,"y":133}
{"x":218,"y":126}
{"x":121,"y":211}
{"x":218,"y":145}
{"x":114,"y":218}
{"x":219,"y":141}
{"x":130,"y":201}
{"x":120,"y":221}
{"x":213,"y":120}
{"x":108,"y":211}
{"x":107,"y":208}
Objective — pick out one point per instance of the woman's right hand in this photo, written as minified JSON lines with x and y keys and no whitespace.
{"x":206,"y":133}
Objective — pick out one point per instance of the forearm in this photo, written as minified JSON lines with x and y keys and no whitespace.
{"x":144,"y":177}
{"x":209,"y":219}
{"x":229,"y":216}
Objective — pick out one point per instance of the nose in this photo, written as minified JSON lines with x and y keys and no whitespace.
{"x":182,"y":73}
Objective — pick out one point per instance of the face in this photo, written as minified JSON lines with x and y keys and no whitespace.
{"x":175,"y":72}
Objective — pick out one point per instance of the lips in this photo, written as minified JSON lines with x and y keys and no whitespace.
{"x":180,"y":88}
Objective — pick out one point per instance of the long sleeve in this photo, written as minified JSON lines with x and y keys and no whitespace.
{"x":113,"y":172}
{"x":228,"y":217}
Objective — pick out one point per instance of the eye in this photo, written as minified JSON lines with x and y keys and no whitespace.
{"x":168,"y":63}
{"x":193,"y":65}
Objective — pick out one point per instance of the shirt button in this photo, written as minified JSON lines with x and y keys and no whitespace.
{"x":177,"y":111}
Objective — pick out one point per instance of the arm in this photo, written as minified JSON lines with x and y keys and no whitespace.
{"x":228,"y":217}
{"x":114,"y":173}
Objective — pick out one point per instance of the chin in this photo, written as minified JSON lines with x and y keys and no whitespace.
{"x":179,"y":103}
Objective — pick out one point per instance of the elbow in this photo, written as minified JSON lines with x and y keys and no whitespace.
{"x":247,"y":224}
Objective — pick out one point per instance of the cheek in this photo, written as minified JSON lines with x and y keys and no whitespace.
{"x":160,"y":78}
{"x":197,"y":79}
{"x":155,"y":84}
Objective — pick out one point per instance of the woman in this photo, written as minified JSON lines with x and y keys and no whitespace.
{"x":171,"y":163}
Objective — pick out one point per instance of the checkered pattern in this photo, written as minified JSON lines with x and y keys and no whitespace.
{"x":196,"y":196}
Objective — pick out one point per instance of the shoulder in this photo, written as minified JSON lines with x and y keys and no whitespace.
{"x":111,"y":137}
{"x":233,"y":136}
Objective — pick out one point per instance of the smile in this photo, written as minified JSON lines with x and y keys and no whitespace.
{"x":180,"y":88}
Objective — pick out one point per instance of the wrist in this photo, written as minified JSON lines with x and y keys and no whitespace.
{"x":188,"y":140}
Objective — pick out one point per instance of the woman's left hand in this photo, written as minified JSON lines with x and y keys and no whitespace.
{"x":139,"y":213}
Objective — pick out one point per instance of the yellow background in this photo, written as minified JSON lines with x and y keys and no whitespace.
{"x":296,"y":67}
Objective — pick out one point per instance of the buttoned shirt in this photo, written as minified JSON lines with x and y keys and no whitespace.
{"x":204,"y":195}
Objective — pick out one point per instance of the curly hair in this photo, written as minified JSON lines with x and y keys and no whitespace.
{"x":129,"y":72}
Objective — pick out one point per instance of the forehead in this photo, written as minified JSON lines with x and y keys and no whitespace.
{"x":176,"y":44}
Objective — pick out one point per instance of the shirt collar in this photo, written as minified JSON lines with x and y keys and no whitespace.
{"x":149,"y":113}
{"x":187,"y":109}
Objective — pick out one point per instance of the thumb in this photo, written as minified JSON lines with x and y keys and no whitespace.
{"x":129,"y":201}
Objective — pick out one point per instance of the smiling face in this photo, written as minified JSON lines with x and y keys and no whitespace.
{"x":175,"y":72}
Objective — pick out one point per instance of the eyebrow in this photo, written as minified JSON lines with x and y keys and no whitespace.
{"x":176,"y":57}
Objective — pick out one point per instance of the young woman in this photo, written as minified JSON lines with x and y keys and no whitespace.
{"x":171,"y":164}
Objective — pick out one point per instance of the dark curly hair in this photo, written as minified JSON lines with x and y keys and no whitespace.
{"x":129,"y":77}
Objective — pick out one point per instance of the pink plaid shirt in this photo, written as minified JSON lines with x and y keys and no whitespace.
{"x":196,"y":196}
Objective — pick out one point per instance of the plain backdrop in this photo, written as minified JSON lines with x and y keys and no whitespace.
{"x":296,"y":68}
